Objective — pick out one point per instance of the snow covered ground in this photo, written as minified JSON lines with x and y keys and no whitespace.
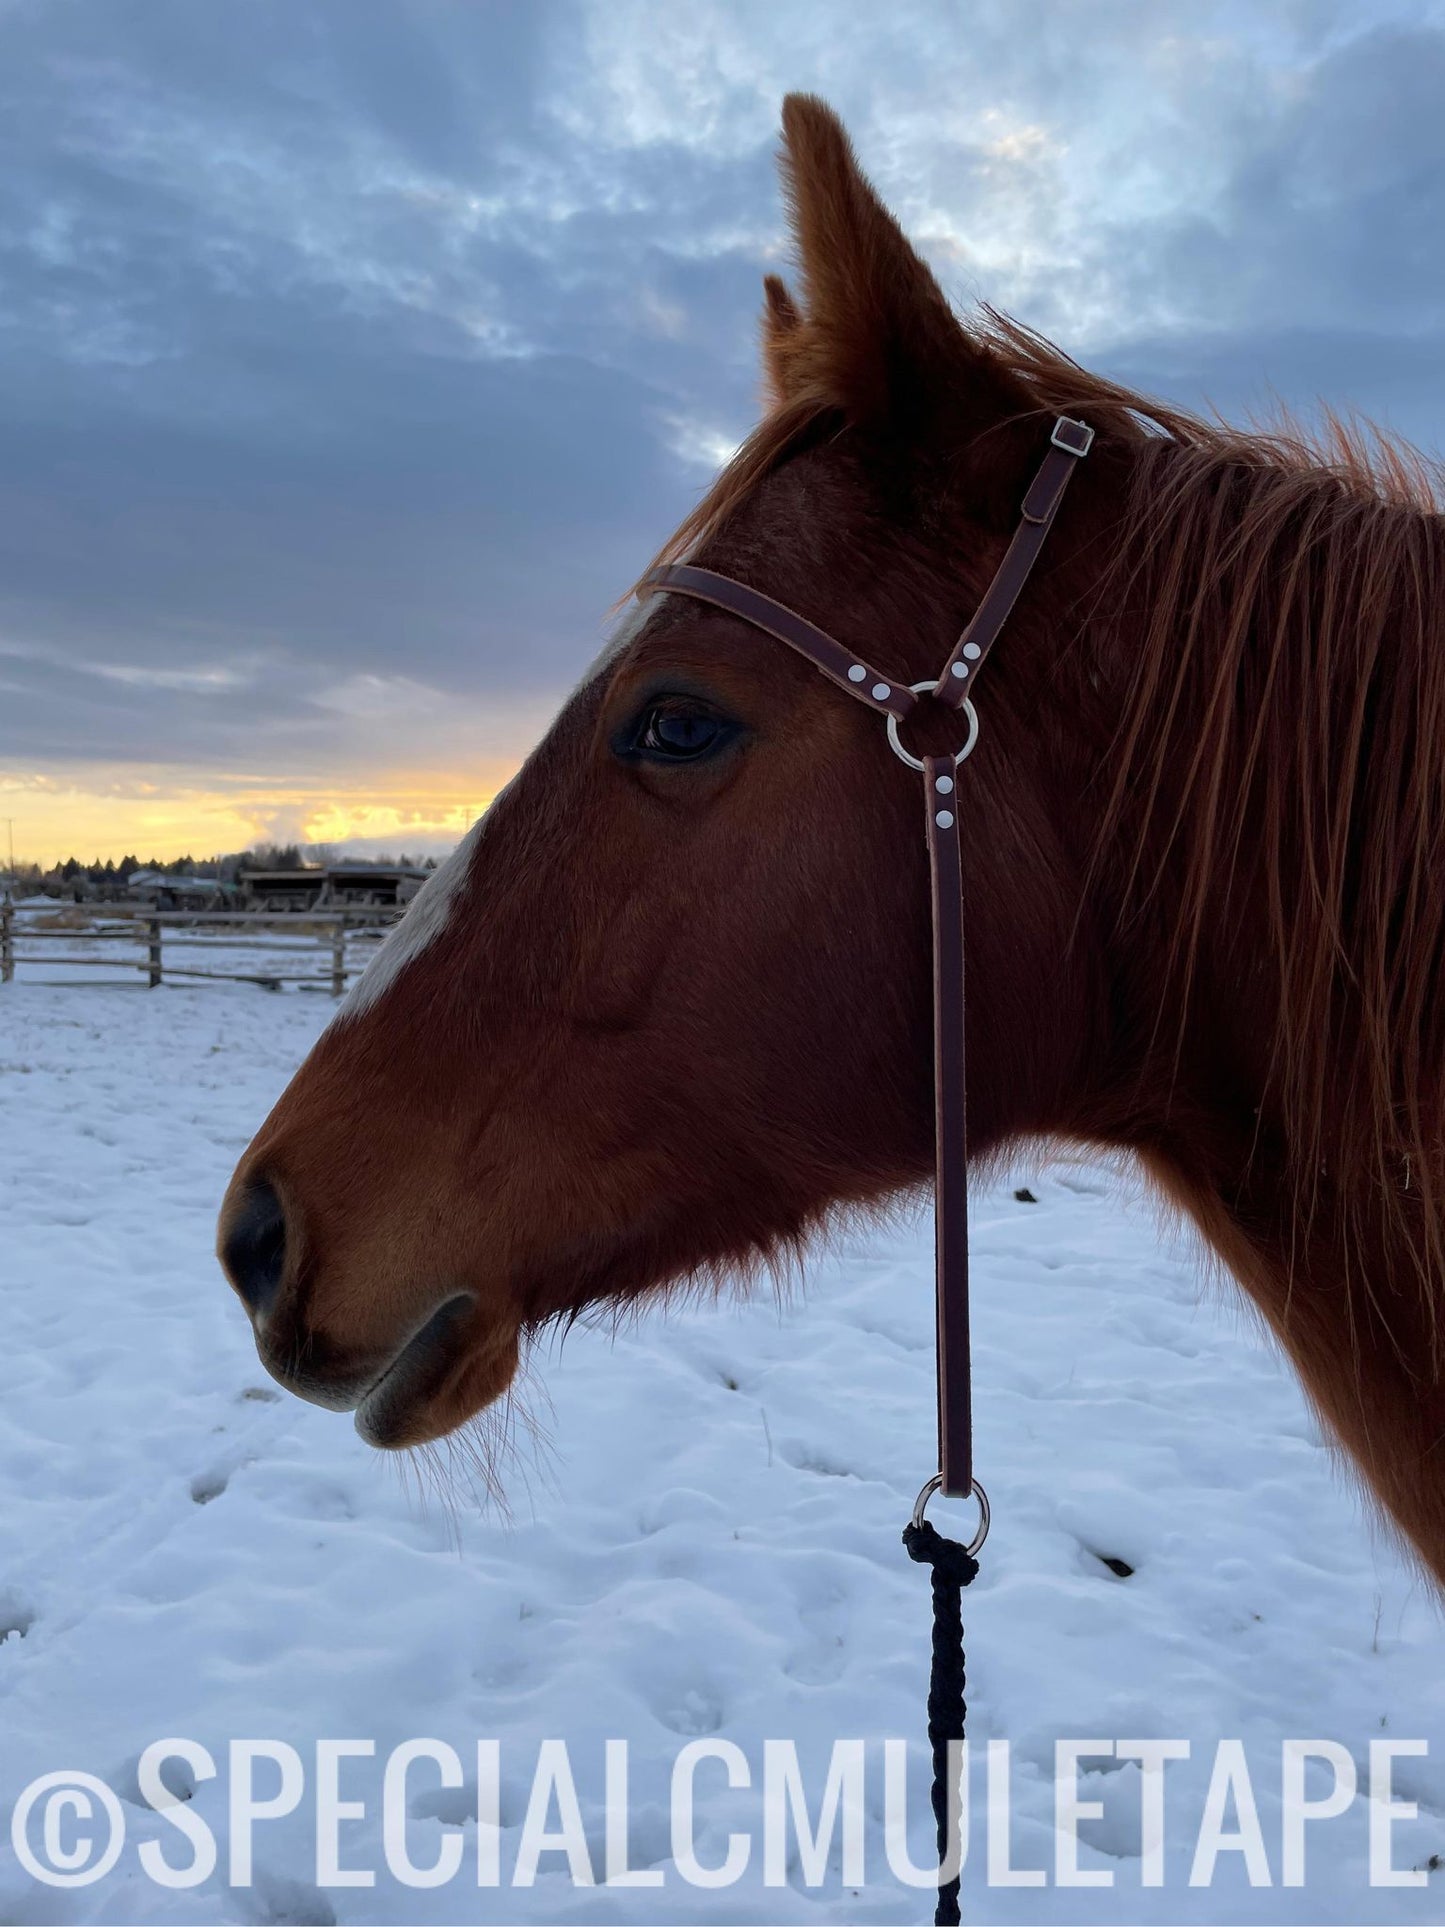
{"x":703,"y":1543}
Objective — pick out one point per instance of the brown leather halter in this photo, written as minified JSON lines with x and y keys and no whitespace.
{"x":1071,"y":440}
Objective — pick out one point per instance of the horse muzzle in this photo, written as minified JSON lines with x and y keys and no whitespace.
{"x":404,"y":1390}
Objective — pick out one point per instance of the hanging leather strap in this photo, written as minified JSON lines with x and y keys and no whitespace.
{"x":1070,"y":441}
{"x":950,"y":1127}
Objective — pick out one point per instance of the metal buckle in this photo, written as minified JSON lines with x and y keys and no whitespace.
{"x":920,"y":1506}
{"x":1075,"y":438}
{"x":916,"y":762}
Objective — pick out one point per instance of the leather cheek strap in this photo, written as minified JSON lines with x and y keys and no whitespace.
{"x":1041,"y":505}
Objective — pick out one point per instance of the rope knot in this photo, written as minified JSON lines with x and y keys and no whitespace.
{"x":949,"y":1560}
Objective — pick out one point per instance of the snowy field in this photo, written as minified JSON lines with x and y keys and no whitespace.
{"x":701,"y":1540}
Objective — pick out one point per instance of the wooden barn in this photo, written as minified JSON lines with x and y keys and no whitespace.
{"x":337,"y":886}
{"x":368,"y":885}
{"x":281,"y":889}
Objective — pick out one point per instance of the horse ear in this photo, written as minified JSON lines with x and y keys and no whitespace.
{"x":781,"y":322}
{"x":876,"y":336}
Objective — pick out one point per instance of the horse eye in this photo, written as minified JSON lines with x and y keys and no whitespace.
{"x":678,"y":732}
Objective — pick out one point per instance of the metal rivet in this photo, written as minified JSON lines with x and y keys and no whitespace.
{"x":944,"y":819}
{"x":972,"y":651}
{"x":944,"y":785}
{"x":960,"y":669}
{"x":881,"y":692}
{"x":857,"y":672}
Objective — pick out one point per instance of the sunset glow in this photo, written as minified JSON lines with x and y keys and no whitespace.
{"x":169,"y":812}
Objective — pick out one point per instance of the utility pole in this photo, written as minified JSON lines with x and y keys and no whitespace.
{"x":10,"y":826}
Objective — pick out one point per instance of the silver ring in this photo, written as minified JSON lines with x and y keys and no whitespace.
{"x":920,"y":1506}
{"x":916,"y":762}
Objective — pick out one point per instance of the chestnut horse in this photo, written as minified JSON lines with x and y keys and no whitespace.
{"x":668,"y":1004}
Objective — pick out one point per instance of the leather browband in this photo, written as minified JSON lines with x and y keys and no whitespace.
{"x":1070,"y":442}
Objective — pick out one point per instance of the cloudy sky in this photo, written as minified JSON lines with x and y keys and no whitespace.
{"x":354,"y":354}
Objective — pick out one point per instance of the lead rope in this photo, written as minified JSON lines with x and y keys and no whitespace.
{"x":954,"y":1566}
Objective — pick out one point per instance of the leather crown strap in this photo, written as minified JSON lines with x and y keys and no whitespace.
{"x":1070,"y":442}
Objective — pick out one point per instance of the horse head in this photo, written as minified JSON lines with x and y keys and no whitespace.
{"x":667,"y":1006}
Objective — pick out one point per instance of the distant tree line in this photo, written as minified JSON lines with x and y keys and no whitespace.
{"x":265,"y":856}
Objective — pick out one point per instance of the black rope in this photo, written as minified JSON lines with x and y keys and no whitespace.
{"x":953,"y":1568}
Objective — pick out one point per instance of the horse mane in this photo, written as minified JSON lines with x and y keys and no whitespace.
{"x":1281,"y":601}
{"x":1284,"y":596}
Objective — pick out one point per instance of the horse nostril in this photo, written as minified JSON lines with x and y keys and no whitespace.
{"x":254,"y":1248}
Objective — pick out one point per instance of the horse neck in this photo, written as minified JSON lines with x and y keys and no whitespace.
{"x":1268,"y":852}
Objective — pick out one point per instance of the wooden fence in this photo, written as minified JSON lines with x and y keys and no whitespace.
{"x":41,"y":936}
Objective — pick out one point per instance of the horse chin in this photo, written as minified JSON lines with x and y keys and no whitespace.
{"x":437,"y":1382}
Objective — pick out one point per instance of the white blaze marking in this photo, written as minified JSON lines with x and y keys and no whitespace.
{"x":426,"y":916}
{"x":429,"y":911}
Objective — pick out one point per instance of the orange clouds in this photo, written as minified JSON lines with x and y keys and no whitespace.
{"x":90,"y":810}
